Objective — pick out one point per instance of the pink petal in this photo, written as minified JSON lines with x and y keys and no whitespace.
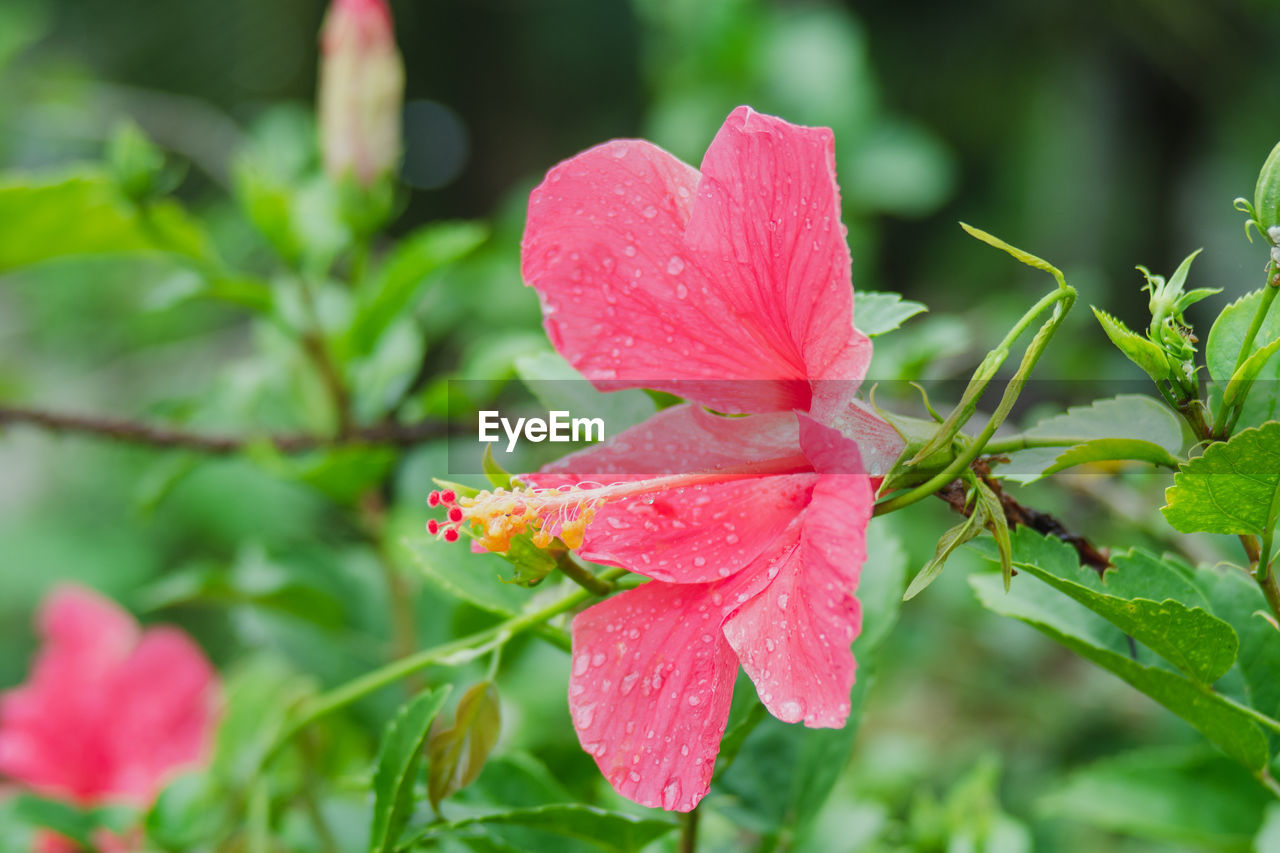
{"x":794,"y":637}
{"x":738,"y":313}
{"x":696,"y":533}
{"x":879,"y":444}
{"x":108,"y":711}
{"x":769,"y":207}
{"x":650,"y":689}
{"x":164,"y":696}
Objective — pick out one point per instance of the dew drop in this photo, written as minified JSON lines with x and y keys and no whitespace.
{"x":699,"y":561}
{"x":694,"y":700}
{"x":675,"y":266}
{"x":629,"y":251}
{"x":671,"y":795}
{"x":580,"y":665}
{"x":791,"y":710}
{"x":682,"y":292}
{"x":597,"y":659}
{"x":649,"y":212}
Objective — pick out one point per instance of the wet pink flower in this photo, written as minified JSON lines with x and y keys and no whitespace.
{"x":361,"y":91}
{"x":109,"y":712}
{"x":730,"y":287}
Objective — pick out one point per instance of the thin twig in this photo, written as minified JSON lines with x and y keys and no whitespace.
{"x":136,"y":432}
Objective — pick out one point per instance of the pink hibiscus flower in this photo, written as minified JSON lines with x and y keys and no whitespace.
{"x":730,"y":287}
{"x":109,"y":712}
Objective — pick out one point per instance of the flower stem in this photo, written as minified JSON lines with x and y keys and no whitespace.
{"x":689,"y":832}
{"x":1061,"y":299}
{"x":1014,"y":443}
{"x":455,"y":652}
{"x":583,"y":578}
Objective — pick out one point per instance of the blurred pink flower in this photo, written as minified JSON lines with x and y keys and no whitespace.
{"x":361,"y":91}
{"x":109,"y":712}
{"x":731,"y":287}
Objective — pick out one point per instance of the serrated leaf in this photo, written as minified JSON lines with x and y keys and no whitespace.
{"x":1182,"y":796}
{"x":876,"y":313}
{"x":396,"y":770}
{"x":1191,"y":638}
{"x":947,"y":545}
{"x":457,"y":754}
{"x":1234,"y":487}
{"x":1230,"y":728}
{"x":1266,"y":192}
{"x":1136,"y":348}
{"x":614,"y":832}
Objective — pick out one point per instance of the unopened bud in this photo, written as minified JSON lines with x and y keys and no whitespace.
{"x":361,"y":91}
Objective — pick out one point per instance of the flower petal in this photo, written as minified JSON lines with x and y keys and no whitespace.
{"x":164,"y":700}
{"x":794,"y":637}
{"x":741,"y":311}
{"x":697,"y":533}
{"x":650,"y":690}
{"x":769,"y":208}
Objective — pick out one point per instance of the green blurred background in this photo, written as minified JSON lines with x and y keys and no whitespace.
{"x":1098,"y":135}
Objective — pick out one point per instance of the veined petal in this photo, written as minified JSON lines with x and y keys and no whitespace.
{"x":793,"y":638}
{"x":650,"y":689}
{"x":768,"y":211}
{"x":737,"y":300}
{"x":698,"y":533}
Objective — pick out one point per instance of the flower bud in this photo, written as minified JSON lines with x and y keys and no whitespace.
{"x":361,"y":92}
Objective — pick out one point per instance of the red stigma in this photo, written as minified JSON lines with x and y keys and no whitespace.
{"x":433,"y":527}
{"x":451,"y":535}
{"x":433,"y":499}
{"x":448,"y":496}
{"x":455,"y":514}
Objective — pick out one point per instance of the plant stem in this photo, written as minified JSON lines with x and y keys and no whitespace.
{"x":170,"y":438}
{"x":581,"y":576}
{"x":404,"y":640}
{"x":1014,"y":443}
{"x":317,"y":349}
{"x":1221,"y":429}
{"x":457,"y":651}
{"x":1066,"y":296}
{"x":689,"y":832}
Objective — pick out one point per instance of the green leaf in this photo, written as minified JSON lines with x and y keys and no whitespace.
{"x":474,"y":578}
{"x":1266,"y":193}
{"x":1181,"y":796}
{"x":1242,"y":380}
{"x":1234,"y":487}
{"x":1130,"y":426}
{"x":998,"y":524}
{"x":1230,"y":728}
{"x":399,"y":758}
{"x":457,"y":754}
{"x":1139,"y":350}
{"x":878,"y":313}
{"x":1229,"y":330}
{"x":400,"y":280}
{"x":1236,"y":598}
{"x":1112,"y":450}
{"x":1191,"y":638}
{"x":947,"y":545}
{"x":559,"y":387}
{"x":84,"y":214}
{"x":1023,"y":257}
{"x":495,"y":473}
{"x":603,"y":830}
{"x":1262,"y":402}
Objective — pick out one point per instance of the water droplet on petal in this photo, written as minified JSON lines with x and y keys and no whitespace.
{"x":675,"y":266}
{"x":671,"y":795}
{"x":580,"y":665}
{"x":681,"y":291}
{"x":791,"y":711}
